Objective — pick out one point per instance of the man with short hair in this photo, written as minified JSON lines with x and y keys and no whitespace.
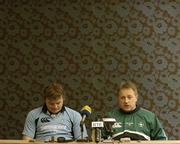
{"x":133,"y":121}
{"x":53,"y":119}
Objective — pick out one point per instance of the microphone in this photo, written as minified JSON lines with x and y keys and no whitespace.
{"x":97,"y":130}
{"x":85,"y":112}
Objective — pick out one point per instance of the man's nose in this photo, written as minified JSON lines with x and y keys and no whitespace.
{"x":126,"y":100}
{"x":55,"y":106}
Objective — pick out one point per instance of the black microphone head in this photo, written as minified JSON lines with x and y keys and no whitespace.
{"x":86,"y":110}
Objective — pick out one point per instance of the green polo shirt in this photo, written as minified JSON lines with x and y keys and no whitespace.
{"x":139,"y":124}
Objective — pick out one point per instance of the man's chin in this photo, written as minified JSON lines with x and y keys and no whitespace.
{"x":54,"y":111}
{"x":127,"y":109}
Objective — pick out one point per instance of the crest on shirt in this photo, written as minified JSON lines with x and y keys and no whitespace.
{"x":117,"y":125}
{"x":45,"y":119}
{"x":141,"y":124}
{"x":129,"y":123}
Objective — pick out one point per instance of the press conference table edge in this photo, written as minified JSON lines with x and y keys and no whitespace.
{"x":115,"y":142}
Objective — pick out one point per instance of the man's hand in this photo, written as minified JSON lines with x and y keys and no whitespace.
{"x":27,"y":137}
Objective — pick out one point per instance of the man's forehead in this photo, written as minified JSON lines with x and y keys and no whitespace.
{"x":55,"y":100}
{"x":126,"y":91}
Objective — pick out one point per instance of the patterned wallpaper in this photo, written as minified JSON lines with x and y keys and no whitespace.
{"x":89,"y":46}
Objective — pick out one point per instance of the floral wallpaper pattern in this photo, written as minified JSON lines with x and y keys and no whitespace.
{"x":89,"y":46}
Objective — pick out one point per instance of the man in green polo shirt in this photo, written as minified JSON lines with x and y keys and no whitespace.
{"x":133,"y":121}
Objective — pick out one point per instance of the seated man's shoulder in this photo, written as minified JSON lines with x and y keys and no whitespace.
{"x":113,"y":112}
{"x":72,"y":111}
{"x":35,"y":111}
{"x":146,"y":113}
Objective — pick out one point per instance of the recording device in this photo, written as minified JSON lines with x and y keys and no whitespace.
{"x":97,"y":124}
{"x":108,"y":125}
{"x":97,"y":130}
{"x":63,"y":140}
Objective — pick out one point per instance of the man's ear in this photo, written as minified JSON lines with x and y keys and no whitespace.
{"x":63,"y":98}
{"x":136,"y":98}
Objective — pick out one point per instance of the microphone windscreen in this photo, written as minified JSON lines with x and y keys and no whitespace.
{"x":86,"y":110}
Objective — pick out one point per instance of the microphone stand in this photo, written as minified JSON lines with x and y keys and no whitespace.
{"x":82,"y":130}
{"x":81,"y":126}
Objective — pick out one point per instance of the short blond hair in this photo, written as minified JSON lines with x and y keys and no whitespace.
{"x":128,"y":85}
{"x":54,"y":91}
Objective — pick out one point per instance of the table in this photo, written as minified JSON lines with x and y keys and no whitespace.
{"x":115,"y":142}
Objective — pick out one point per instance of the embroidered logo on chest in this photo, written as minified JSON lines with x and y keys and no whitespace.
{"x":117,"y":125}
{"x":45,"y":119}
{"x":141,"y":124}
{"x":129,"y":123}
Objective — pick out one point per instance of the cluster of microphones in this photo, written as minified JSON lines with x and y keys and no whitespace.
{"x":98,"y":125}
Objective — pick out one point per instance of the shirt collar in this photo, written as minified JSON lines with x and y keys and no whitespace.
{"x":45,"y":110}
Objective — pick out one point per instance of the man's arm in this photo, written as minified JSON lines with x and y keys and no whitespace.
{"x":77,"y":129}
{"x":157,"y":132}
{"x":29,"y":127}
